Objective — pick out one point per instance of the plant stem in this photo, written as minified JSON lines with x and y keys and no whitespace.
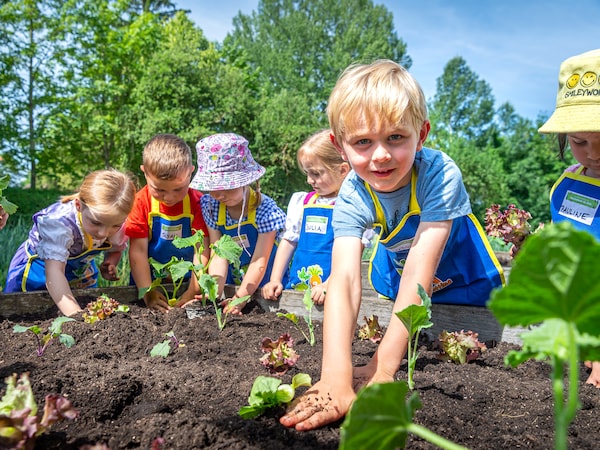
{"x":432,"y":437}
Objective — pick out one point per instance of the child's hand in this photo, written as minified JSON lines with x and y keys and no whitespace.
{"x":594,"y":378}
{"x":108,"y":271}
{"x":3,"y":217}
{"x":228,"y":309}
{"x":157,"y":301}
{"x":318,"y":292}
{"x":188,"y":297}
{"x":272,"y":290}
{"x":366,"y":375}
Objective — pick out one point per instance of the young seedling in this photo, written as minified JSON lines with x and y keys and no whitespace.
{"x":164,"y":348}
{"x":380,"y":420}
{"x":268,"y":392}
{"x":279,"y":355}
{"x":54,"y":331}
{"x":308,"y":305}
{"x":415,"y":318}
{"x":554,"y":283}
{"x":102,"y":308}
{"x":8,"y":206}
{"x":20,"y":424}
{"x":511,"y":225}
{"x":174,"y":270}
{"x":371,"y":330}
{"x":460,"y":347}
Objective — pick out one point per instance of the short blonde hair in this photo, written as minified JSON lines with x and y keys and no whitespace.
{"x":166,"y":156}
{"x":319,"y":146}
{"x":106,"y":192}
{"x":382,"y":91}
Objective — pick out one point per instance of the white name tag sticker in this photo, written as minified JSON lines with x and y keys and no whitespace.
{"x":579,"y":207}
{"x":316,"y":224}
{"x":170,"y":232}
{"x":242,"y":240}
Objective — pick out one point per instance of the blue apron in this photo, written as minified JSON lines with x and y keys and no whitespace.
{"x":575,"y":197}
{"x":311,"y":264}
{"x":162,"y":229}
{"x":245,"y":234}
{"x":468,"y":270}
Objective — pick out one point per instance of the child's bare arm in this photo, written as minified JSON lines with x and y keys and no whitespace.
{"x":272,"y":290}
{"x":59,"y":289}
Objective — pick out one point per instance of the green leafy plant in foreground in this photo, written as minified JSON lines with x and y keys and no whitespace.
{"x":269,"y":392}
{"x":554,"y":283}
{"x":379,"y":419}
{"x":20,"y":424}
{"x":308,"y":305}
{"x":164,"y":348}
{"x":8,"y":206}
{"x":415,"y":318}
{"x":102,"y":308}
{"x":54,"y":331}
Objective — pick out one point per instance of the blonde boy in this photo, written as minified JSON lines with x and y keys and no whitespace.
{"x":165,"y":208}
{"x":415,"y":198}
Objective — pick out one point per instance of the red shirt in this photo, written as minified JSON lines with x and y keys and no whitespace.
{"x":136,"y":225}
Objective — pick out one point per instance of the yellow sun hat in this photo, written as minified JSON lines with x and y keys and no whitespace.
{"x":578,"y":98}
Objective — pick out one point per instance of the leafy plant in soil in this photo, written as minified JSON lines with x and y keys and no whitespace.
{"x":553,"y":283}
{"x":279,"y":355}
{"x":54,"y":331}
{"x":8,"y":206}
{"x":380,"y":420}
{"x":371,"y":330}
{"x":269,"y":392}
{"x":308,"y":305}
{"x":164,"y":348}
{"x":102,"y":308}
{"x":460,"y":347}
{"x":19,"y":420}
{"x":415,"y":318}
{"x":511,"y":225}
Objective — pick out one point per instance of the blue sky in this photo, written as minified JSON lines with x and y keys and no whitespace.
{"x":515,"y":45}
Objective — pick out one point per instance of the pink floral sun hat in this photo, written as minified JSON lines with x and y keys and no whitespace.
{"x":225,"y":162}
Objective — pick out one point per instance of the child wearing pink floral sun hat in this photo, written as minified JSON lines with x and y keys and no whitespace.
{"x":227,"y":171}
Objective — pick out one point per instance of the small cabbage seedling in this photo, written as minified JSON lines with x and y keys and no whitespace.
{"x":8,"y":206}
{"x":371,"y":330}
{"x":308,"y":305}
{"x":460,"y":347}
{"x":554,"y":283}
{"x":54,"y":331}
{"x":20,"y":424}
{"x":102,"y":308}
{"x":279,"y":355}
{"x":380,"y":419}
{"x":415,"y":318}
{"x":269,"y":392}
{"x":174,"y":270}
{"x":164,"y":348}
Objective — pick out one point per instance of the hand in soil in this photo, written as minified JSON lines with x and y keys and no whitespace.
{"x":594,"y":378}
{"x":236,"y":310}
{"x":157,"y":301}
{"x":320,"y":405}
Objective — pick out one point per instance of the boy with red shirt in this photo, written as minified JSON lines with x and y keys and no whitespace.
{"x":165,"y":208}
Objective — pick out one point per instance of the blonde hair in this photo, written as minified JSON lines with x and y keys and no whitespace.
{"x":319,"y":146}
{"x":380,"y":92}
{"x":166,"y":156}
{"x":106,"y":192}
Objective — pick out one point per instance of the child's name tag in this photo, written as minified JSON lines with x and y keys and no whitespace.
{"x":242,"y":240}
{"x":579,"y":207}
{"x":316,"y":224}
{"x":170,"y":232}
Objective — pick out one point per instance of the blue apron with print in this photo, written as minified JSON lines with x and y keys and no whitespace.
{"x":468,"y":270}
{"x":575,"y":197}
{"x":311,"y":264}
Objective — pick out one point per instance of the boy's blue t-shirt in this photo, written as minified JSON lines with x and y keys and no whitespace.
{"x":440,"y":192}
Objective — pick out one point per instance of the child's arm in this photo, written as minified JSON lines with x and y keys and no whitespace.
{"x":273,"y":289}
{"x":140,"y":271}
{"x":108,"y":268}
{"x":58,"y":287}
{"x":256,"y":270}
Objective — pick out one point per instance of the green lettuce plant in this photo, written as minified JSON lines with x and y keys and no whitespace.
{"x":54,"y":331}
{"x":308,"y":305}
{"x":554,"y":284}
{"x":102,"y":308}
{"x":460,"y":347}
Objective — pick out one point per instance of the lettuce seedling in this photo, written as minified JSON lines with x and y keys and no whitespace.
{"x":54,"y":331}
{"x":380,"y":420}
{"x":308,"y":305}
{"x":554,"y":283}
{"x":371,"y":330}
{"x":164,"y":348}
{"x":460,"y":347}
{"x":268,"y":392}
{"x":102,"y":308}
{"x":415,"y":318}
{"x":279,"y":355}
{"x":8,"y":206}
{"x":20,"y":424}
{"x":511,"y":225}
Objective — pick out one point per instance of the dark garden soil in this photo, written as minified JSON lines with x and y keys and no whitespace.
{"x":126,"y":399}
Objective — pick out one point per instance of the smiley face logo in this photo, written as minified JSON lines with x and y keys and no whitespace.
{"x":588,"y":79}
{"x":573,"y":80}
